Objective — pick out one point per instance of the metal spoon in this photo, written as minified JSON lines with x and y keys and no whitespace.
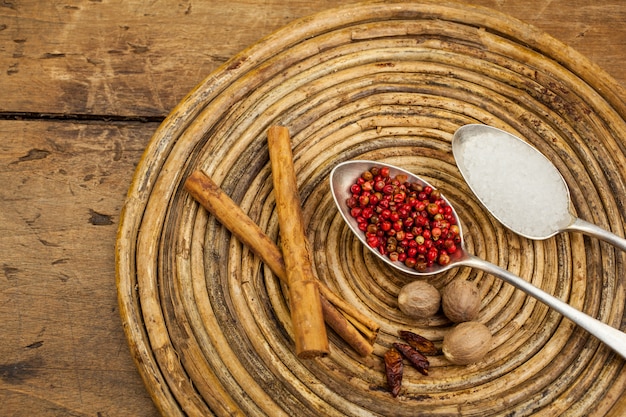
{"x":344,"y":175}
{"x":518,"y":185}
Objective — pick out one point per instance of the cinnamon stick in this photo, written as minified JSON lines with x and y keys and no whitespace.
{"x":306,"y":308}
{"x":345,"y":329}
{"x":368,"y":327}
{"x":208,"y":194}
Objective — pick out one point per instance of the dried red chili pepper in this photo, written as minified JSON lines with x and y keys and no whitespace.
{"x":418,"y":360}
{"x":394,"y":369}
{"x":418,"y":342}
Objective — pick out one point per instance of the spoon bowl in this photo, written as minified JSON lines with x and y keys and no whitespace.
{"x":345,"y":174}
{"x":518,"y":185}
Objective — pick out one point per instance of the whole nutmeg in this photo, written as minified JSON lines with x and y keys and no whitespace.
{"x":419,"y":299}
{"x":467,"y":343}
{"x":461,"y":301}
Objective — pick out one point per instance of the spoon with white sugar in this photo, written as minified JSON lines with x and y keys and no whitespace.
{"x":518,"y":185}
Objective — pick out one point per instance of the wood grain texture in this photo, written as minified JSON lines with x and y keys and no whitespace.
{"x":139,"y":59}
{"x":63,"y":350}
{"x":131,"y":58}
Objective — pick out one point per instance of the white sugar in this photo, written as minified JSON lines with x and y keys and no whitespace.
{"x":516,"y":183}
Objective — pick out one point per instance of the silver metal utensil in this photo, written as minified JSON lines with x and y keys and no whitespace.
{"x":345,"y":174}
{"x":518,"y":185}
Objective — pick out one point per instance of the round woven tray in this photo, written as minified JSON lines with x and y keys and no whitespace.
{"x":208,"y":324}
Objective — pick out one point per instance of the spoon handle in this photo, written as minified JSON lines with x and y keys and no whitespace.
{"x":611,"y":336}
{"x":591,"y":229}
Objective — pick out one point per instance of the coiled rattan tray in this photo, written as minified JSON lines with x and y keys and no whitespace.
{"x":207,"y":322}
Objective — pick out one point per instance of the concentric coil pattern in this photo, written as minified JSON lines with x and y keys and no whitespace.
{"x":209,"y":324}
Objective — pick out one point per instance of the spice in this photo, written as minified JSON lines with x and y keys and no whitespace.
{"x":418,"y":360}
{"x":394,"y":369}
{"x":418,"y":342}
{"x":409,"y":350}
{"x":306,"y":309}
{"x":467,"y":343}
{"x":419,"y":299}
{"x":408,"y":222}
{"x":351,"y":325}
{"x":460,"y":301}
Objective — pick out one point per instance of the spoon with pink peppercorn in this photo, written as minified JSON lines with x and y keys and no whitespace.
{"x":376,"y":200}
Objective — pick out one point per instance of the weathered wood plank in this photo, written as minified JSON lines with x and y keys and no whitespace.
{"x":136,"y":58}
{"x":63,"y":349}
{"x":124,"y":57}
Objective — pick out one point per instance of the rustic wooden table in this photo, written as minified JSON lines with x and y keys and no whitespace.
{"x":84,"y":84}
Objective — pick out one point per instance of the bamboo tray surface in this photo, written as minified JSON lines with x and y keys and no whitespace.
{"x":207,"y":322}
